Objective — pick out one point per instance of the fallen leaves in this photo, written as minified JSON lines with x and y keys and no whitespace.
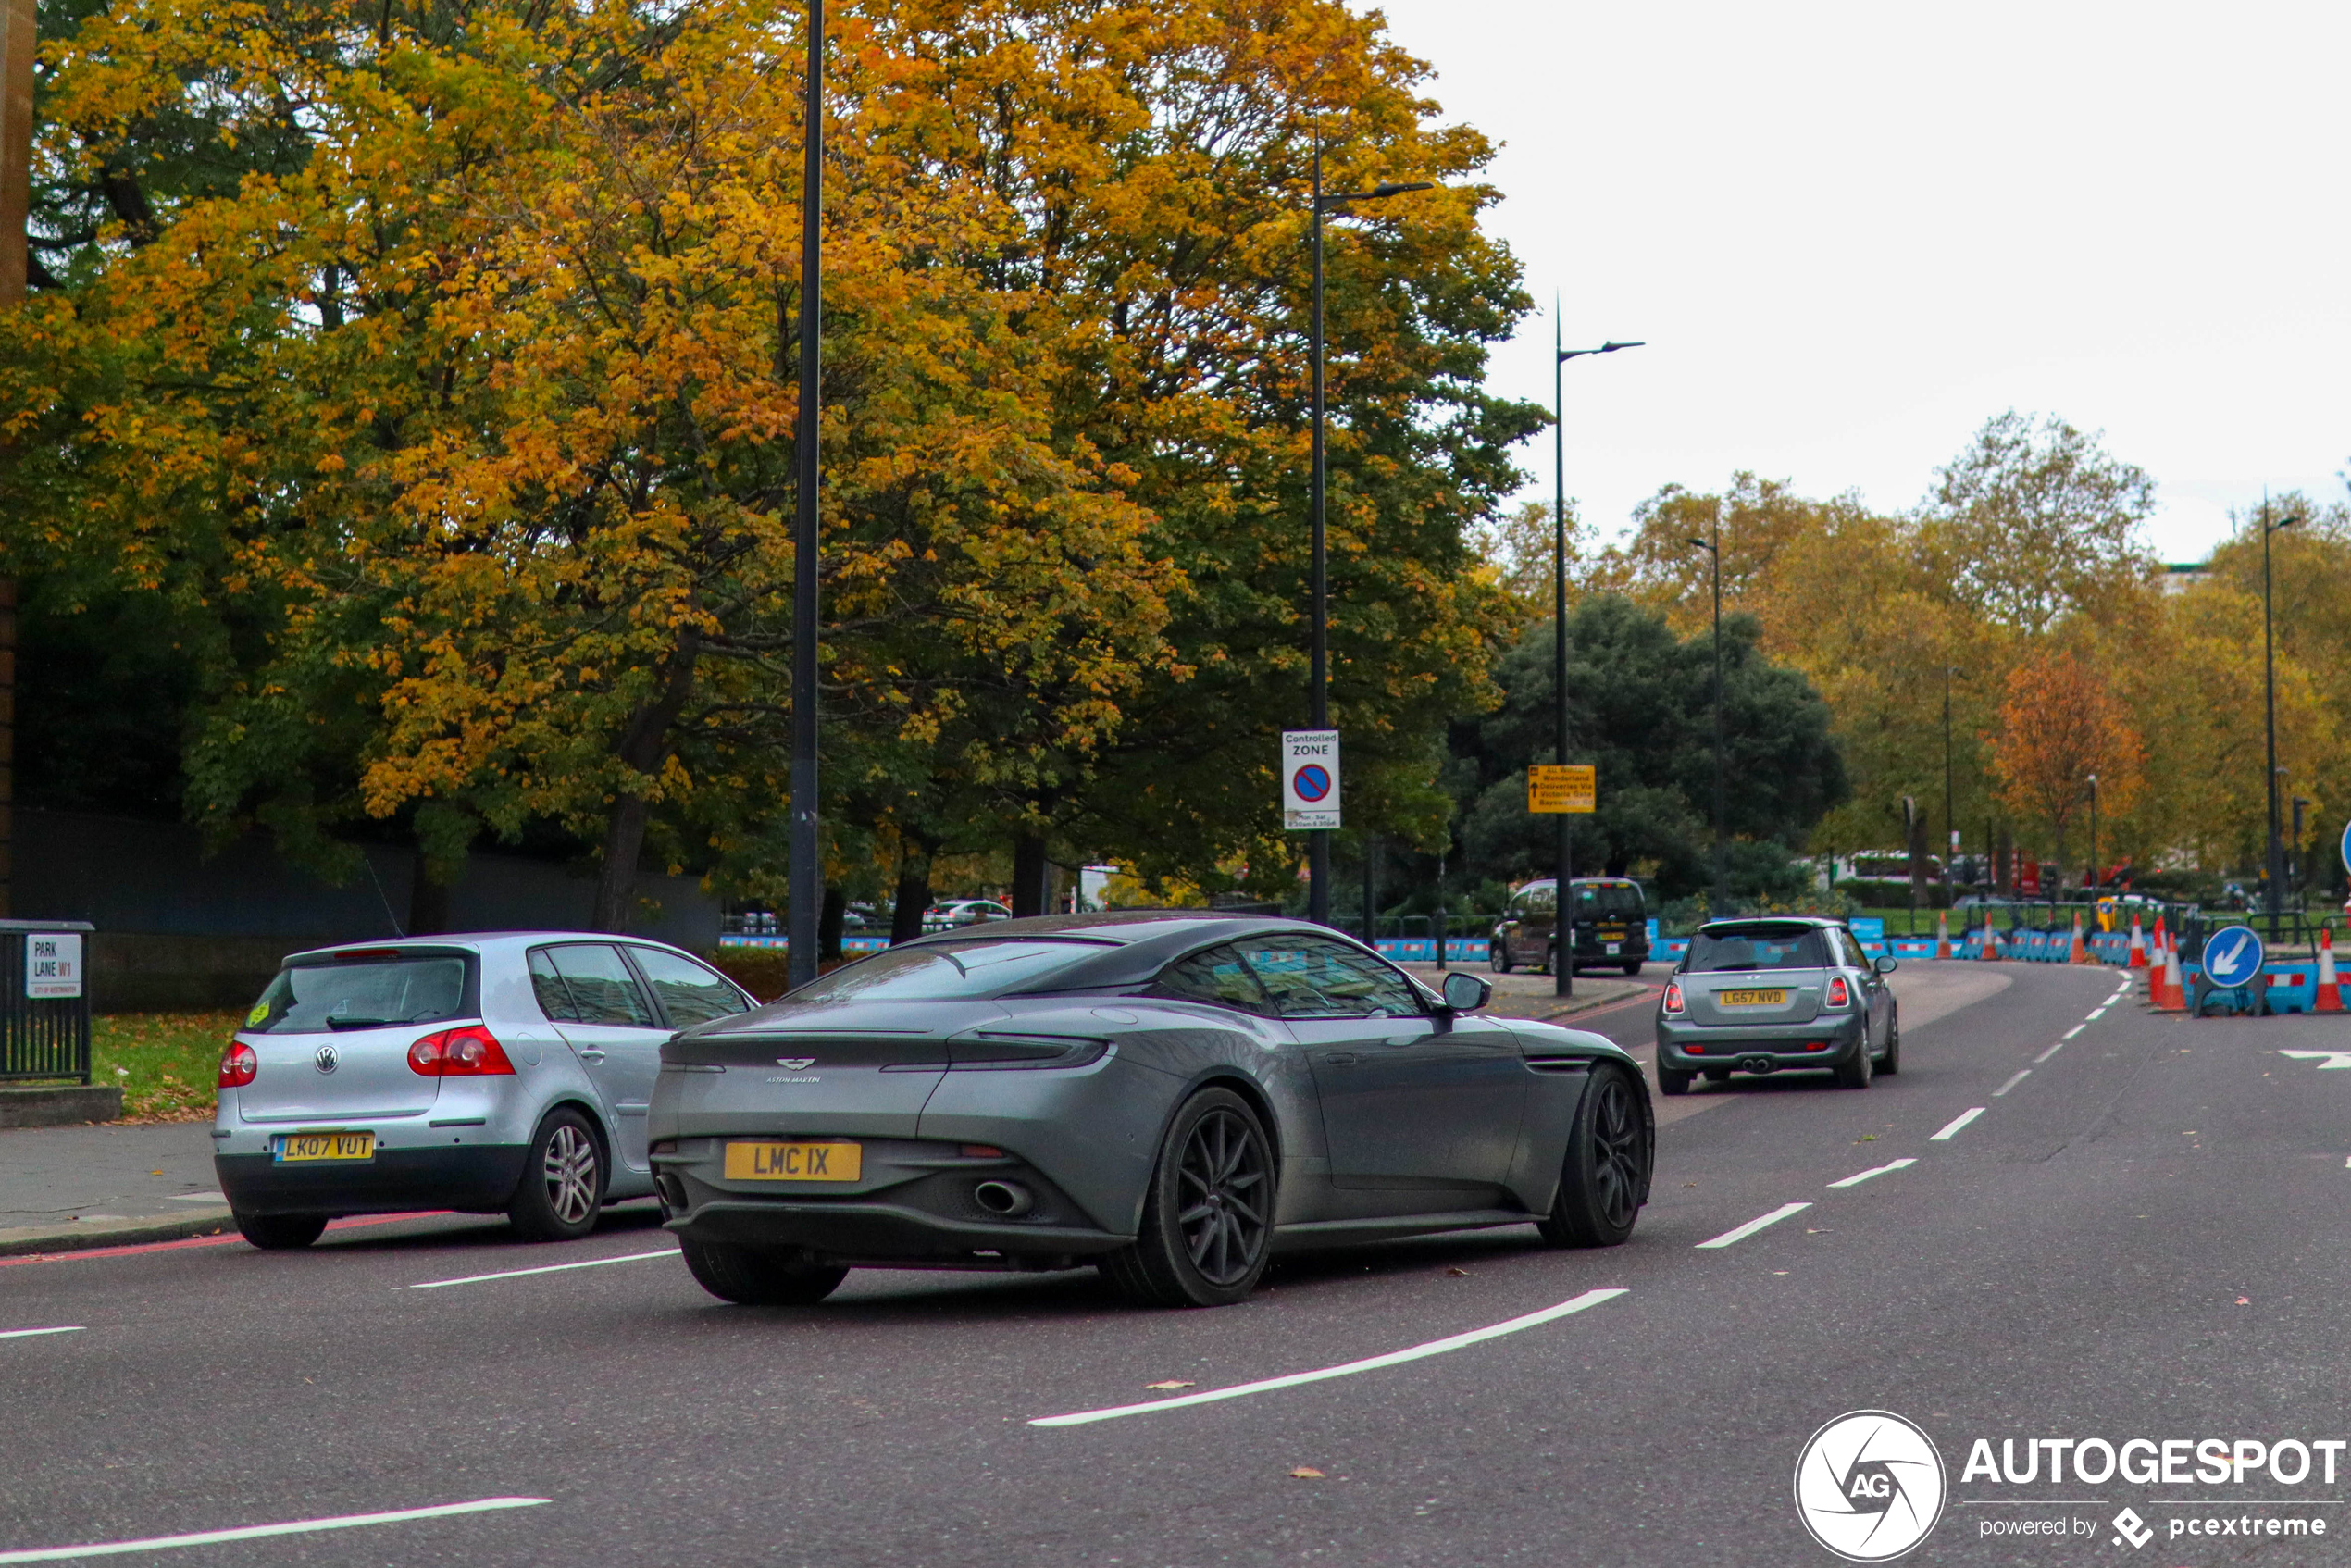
{"x":1456,"y":1274}
{"x":1306,"y":1472}
{"x":1171,"y":1383}
{"x":2245,"y":1300}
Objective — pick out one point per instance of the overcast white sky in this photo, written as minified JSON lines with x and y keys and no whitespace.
{"x":1850,"y":232}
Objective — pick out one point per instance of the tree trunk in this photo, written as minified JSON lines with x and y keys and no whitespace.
{"x":427,"y":901}
{"x":1032,"y":875}
{"x":829,"y":916}
{"x":642,"y":746}
{"x":914,"y":896}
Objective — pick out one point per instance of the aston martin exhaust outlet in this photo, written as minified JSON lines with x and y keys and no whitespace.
{"x":1004,"y":1198}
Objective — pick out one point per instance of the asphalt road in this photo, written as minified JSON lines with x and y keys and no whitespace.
{"x":2068,"y":1264}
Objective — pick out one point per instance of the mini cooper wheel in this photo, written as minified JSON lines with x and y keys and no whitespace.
{"x":1855,"y":1073}
{"x":1891,"y":1062}
{"x":1674,"y":1080}
{"x":278,"y":1233}
{"x":562,"y":1181}
{"x":1606,"y":1176}
{"x":759,"y":1276}
{"x":1208,"y":1215}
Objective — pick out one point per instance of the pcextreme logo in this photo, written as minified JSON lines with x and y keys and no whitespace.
{"x":1869,"y":1486}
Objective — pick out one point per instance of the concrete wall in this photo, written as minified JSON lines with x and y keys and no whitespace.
{"x":177,"y":929}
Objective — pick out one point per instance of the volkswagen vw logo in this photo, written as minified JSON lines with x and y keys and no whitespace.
{"x":328,"y":1058}
{"x":1869,"y":1486}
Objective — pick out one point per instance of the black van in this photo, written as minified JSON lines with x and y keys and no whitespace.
{"x":1611,"y":920}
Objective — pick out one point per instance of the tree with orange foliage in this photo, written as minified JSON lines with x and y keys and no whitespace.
{"x":2061,"y":725}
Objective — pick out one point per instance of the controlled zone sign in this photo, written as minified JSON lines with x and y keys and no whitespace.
{"x":1551,"y":788}
{"x":1310,"y":781}
{"x":2232,"y":956}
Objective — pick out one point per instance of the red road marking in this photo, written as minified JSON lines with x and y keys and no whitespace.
{"x":351,"y":1224}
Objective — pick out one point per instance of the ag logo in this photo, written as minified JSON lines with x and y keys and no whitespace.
{"x":1869,"y":1486}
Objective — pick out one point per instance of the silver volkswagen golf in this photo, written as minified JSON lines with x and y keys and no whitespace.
{"x":500,"y":1073}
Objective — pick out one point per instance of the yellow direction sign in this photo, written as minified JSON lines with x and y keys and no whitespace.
{"x":1551,"y":788}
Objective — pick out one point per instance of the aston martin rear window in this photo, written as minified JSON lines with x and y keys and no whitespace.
{"x":935,"y":971}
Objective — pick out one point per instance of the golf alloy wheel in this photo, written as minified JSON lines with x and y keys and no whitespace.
{"x":570,"y":1170}
{"x":562,"y":1180}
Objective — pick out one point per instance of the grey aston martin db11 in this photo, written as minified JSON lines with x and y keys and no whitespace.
{"x":1172,"y":1096}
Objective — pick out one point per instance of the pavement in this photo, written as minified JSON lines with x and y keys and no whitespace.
{"x":2065,"y":1219}
{"x":105,"y":1184}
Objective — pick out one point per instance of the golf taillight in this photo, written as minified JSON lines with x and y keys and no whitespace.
{"x":1674,"y":996}
{"x":1840,"y":994}
{"x":239,"y":1066}
{"x":469,"y":1052}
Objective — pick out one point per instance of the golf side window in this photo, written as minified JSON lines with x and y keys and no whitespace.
{"x":588,"y":983}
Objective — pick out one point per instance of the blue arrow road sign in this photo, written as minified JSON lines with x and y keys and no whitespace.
{"x":2231,"y":956}
{"x":2346,"y":846}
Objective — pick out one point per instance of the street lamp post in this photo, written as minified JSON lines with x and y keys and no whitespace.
{"x":1721,"y":843}
{"x":2093,"y":878}
{"x":1318,"y":848}
{"x":807,"y":874}
{"x":1563,"y":922}
{"x":2269,"y":703}
{"x":1950,"y":822}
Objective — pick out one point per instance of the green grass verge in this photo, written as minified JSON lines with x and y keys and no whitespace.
{"x":167,"y":1062}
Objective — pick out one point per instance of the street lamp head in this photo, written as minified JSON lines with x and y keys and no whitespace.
{"x":1612,"y":347}
{"x":1700,"y":543}
{"x":1390,"y":188}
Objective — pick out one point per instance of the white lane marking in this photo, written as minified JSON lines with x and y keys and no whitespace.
{"x":2074,"y":1030}
{"x":28,"y":1333}
{"x":1962,"y":1119}
{"x":550,"y":1268}
{"x":2327,"y":1061}
{"x":1369,"y":1364}
{"x":1741,"y":1233}
{"x":1860,"y":1176}
{"x":2022,"y":1074}
{"x":2095,"y":1013}
{"x":197,"y":1197}
{"x":2047,"y":1054}
{"x":252,"y":1532}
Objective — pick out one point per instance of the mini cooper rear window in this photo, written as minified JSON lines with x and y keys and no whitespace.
{"x":936,"y":971}
{"x":373,"y":994}
{"x":1758,"y":947}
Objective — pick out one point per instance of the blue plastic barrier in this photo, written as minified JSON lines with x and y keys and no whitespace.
{"x":848,"y":944}
{"x":1422,"y":949}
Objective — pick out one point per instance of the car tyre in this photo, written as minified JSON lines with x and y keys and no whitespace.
{"x":562,"y":1180}
{"x":279,"y":1233}
{"x":1498,"y":956}
{"x":1208,"y":1214}
{"x":1891,"y":1062}
{"x":1855,"y":1073}
{"x":1632,"y":967}
{"x":1674,"y":1080}
{"x":1605,"y":1178}
{"x":759,"y":1276}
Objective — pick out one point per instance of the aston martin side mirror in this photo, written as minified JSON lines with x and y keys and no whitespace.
{"x":1466,"y":993}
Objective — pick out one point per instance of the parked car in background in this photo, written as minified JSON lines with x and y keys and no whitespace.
{"x":1171,"y":1095}
{"x":1610,"y":920}
{"x":953,"y":913}
{"x":503,"y":1073}
{"x":1759,"y":995}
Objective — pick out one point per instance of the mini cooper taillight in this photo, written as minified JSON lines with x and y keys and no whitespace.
{"x":471,"y":1051}
{"x":239,"y":1066}
{"x":1674,"y":996}
{"x":1840,"y":994}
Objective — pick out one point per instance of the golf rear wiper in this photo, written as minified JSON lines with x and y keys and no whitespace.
{"x":349,"y":1023}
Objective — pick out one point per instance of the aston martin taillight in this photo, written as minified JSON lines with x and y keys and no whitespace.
{"x":1674,"y":996}
{"x":1840,"y":994}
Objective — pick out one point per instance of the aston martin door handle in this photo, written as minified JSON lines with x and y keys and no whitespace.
{"x":1340,"y":1058}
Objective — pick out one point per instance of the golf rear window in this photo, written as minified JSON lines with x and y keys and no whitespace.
{"x":367,"y":994}
{"x":1757,"y":947}
{"x":936,"y":971}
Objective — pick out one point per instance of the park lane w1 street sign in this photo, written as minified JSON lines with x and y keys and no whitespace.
{"x":1310,"y":779}
{"x":1552,"y":787}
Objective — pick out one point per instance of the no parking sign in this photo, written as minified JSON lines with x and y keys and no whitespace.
{"x":1310,"y":779}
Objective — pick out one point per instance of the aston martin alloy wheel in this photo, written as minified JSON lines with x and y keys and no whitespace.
{"x":1605,"y":1176}
{"x":1208,"y":1216}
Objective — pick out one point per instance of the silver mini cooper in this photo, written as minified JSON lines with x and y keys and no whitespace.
{"x":501,"y":1073}
{"x":1756,"y":996}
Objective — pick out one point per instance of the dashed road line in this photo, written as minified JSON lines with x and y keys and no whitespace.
{"x":1860,"y":1176}
{"x":2047,"y":1054}
{"x":1740,"y":1232}
{"x":1952,"y":1131}
{"x":547,"y":1268}
{"x":31,"y":1333}
{"x":255,"y":1532}
{"x":2021,"y":1074}
{"x":1369,"y":1364}
{"x":2074,"y":1030}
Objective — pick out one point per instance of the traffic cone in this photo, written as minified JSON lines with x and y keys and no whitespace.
{"x":2138,"y":945}
{"x":1990,"y":941}
{"x":2081,"y":949}
{"x":2169,"y":991}
{"x":1942,"y":933}
{"x":2330,"y":993}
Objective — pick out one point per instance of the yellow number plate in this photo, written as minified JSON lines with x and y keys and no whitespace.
{"x":1750,"y":999}
{"x":294,"y":1146}
{"x":794,"y":1161}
